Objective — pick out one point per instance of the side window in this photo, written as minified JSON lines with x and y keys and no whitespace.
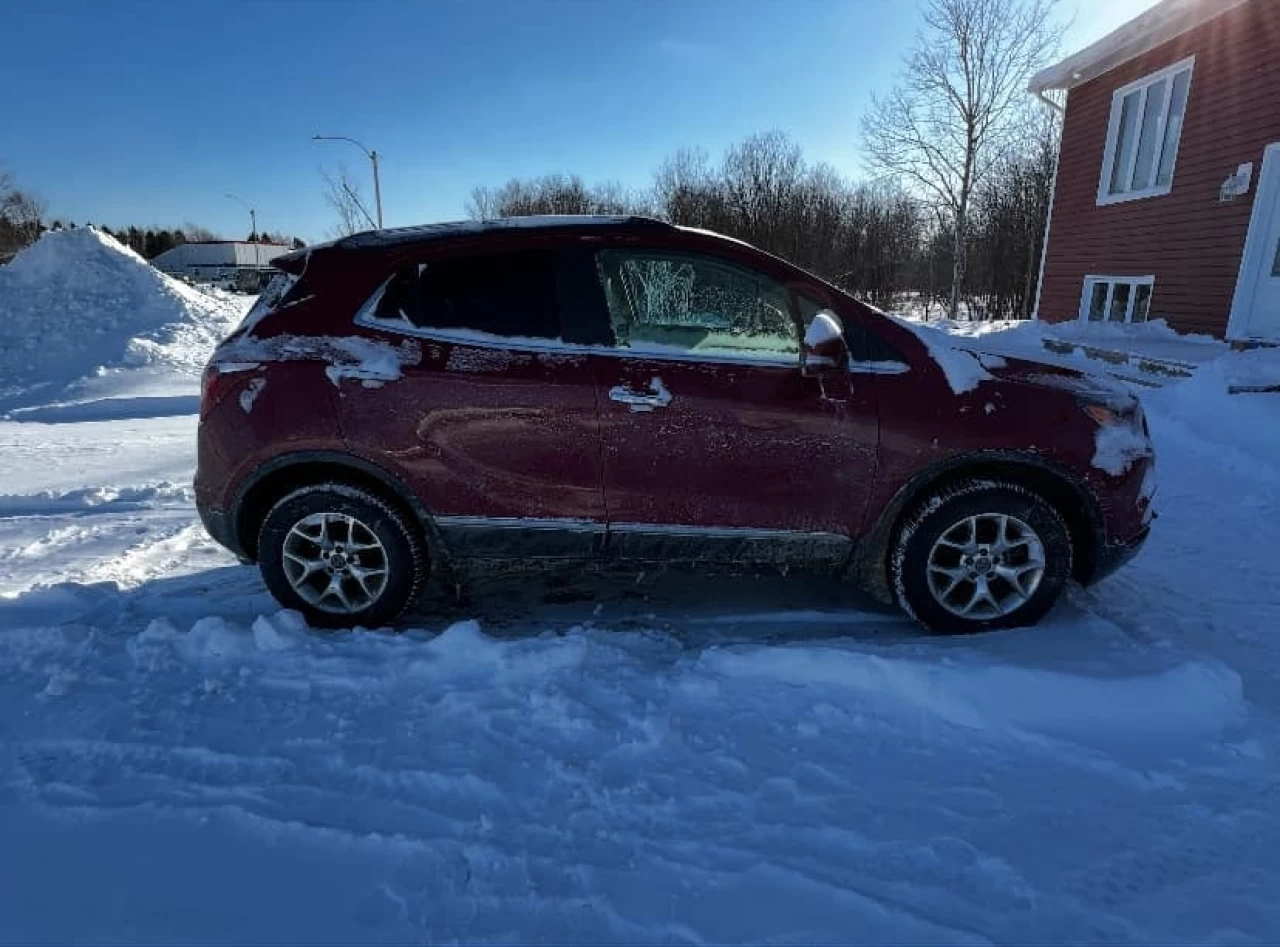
{"x":696,"y":303}
{"x":511,"y":295}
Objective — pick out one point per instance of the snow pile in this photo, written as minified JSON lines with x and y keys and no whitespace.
{"x":1189,"y":698}
{"x":78,"y":304}
{"x":1255,"y":368}
{"x":1154,"y":330}
{"x":1026,"y":339}
{"x":1238,"y":429}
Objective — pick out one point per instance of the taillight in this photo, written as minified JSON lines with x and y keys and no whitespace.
{"x":214,"y":385}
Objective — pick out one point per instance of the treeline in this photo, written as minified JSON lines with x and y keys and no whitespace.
{"x":872,"y":239}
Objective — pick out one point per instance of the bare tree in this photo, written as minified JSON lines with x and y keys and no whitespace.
{"x":549,"y":194}
{"x":954,"y":112}
{"x":21,"y":217}
{"x":762,"y":176}
{"x":687,"y":191}
{"x":342,"y":193}
{"x":1007,"y":221}
{"x":25,"y":212}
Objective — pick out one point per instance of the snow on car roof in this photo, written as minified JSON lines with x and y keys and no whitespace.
{"x":462,"y":228}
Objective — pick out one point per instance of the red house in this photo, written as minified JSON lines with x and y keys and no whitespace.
{"x":1167,"y":197}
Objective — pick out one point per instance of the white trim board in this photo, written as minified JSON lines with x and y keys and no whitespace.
{"x":1048,"y":218}
{"x":1255,"y":253}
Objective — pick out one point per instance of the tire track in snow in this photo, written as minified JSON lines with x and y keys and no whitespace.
{"x":149,"y":559}
{"x":92,"y":535}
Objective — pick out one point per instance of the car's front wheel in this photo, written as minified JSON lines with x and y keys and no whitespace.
{"x":340,"y":556}
{"x":981,"y":555}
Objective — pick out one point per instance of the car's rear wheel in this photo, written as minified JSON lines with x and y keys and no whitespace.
{"x":340,"y":556}
{"x":981,"y":555}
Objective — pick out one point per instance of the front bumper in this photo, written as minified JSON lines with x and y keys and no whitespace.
{"x":1113,"y":556}
{"x":221,"y":526}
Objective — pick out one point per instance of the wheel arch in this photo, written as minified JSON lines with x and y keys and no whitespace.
{"x":1069,"y":495}
{"x":282,"y":475}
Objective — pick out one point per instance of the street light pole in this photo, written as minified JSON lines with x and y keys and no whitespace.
{"x":253,"y":231}
{"x":377,"y":187}
{"x":373,"y":160}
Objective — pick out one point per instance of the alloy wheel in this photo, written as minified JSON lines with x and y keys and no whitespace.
{"x":986,"y":566}
{"x":335,"y":562}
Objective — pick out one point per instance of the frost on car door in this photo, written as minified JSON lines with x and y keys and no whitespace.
{"x":496,"y":429}
{"x":715,"y":444}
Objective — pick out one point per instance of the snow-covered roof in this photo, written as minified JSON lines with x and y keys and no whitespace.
{"x":218,"y":253}
{"x":1163,"y":22}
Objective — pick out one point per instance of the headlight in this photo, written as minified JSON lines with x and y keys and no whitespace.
{"x":1125,"y":411}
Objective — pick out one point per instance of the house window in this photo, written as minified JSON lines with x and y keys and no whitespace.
{"x":1117,"y":298}
{"x":1143,"y":135}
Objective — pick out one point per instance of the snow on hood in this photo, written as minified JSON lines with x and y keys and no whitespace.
{"x":78,"y":302}
{"x":974,"y":357}
{"x":963,"y":367}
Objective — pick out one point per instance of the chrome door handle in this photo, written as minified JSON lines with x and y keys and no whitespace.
{"x":656,"y":397}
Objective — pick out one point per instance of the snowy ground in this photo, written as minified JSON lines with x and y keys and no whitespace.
{"x":662,"y":761}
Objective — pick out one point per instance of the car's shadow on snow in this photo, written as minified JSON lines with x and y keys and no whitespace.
{"x":697,"y":608}
{"x":697,"y":611}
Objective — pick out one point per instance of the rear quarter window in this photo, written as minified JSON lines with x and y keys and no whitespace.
{"x":270,"y":299}
{"x":511,"y":295}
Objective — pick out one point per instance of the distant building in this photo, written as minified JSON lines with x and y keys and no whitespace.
{"x":230,"y":263}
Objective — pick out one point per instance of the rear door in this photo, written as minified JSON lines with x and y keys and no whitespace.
{"x":715,"y":444}
{"x":495,"y":427}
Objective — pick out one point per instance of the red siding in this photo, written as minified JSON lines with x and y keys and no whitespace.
{"x":1187,"y":238}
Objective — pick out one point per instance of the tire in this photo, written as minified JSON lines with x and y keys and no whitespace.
{"x":292,"y":542}
{"x":937,"y":569}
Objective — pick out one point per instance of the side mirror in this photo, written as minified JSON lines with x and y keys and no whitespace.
{"x":824,"y":348}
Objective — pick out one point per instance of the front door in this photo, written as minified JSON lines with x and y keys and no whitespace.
{"x":1255,"y":314}
{"x":715,"y":444}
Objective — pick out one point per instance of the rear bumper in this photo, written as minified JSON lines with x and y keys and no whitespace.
{"x":221,"y":526}
{"x":1113,"y":556}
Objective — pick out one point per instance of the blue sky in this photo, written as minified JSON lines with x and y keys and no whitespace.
{"x":150,"y":112}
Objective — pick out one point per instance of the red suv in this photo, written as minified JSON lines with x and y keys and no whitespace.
{"x":595,"y":389}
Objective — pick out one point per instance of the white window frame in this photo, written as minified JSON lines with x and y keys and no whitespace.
{"x":1168,"y":74}
{"x":1132,"y":281}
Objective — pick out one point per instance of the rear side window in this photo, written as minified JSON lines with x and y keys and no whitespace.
{"x":510,"y":295}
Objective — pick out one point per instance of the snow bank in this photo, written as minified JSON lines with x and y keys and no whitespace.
{"x":1154,"y":330}
{"x":1239,"y":429}
{"x":78,"y":303}
{"x":45,"y":502}
{"x":1191,"y":698}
